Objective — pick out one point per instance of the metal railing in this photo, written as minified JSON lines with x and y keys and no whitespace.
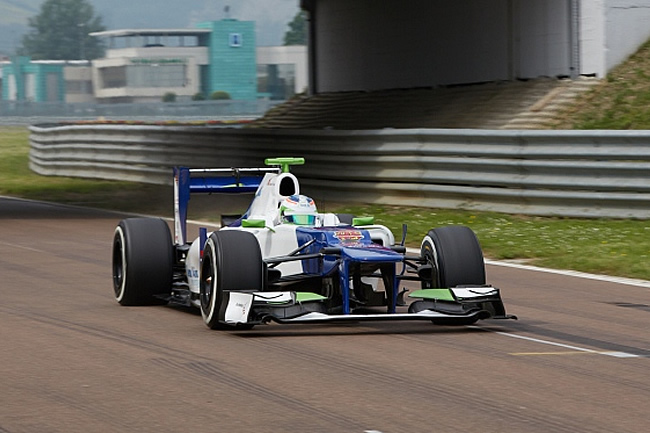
{"x":26,"y":112}
{"x":564,"y":173}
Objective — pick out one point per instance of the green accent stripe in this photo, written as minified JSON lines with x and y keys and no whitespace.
{"x":363,"y":221}
{"x":434,"y":294}
{"x":308,"y":297}
{"x":253,"y":223}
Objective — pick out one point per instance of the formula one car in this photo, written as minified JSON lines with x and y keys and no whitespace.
{"x":284,"y":261}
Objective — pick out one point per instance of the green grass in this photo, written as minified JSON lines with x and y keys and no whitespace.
{"x":612,"y":247}
{"x":16,"y":179}
{"x":604,"y":246}
{"x":622,"y":101}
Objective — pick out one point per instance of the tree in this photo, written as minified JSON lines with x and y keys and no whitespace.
{"x":169,"y":97}
{"x":220,"y":95}
{"x":60,"y":32}
{"x":297,"y":33}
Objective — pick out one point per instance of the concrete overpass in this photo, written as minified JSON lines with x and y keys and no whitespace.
{"x":388,"y":44}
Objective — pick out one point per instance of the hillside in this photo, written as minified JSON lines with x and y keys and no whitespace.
{"x":621,"y":101}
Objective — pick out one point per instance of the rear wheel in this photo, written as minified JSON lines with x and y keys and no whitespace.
{"x":143,"y":259}
{"x":455,"y":256}
{"x":232,"y":260}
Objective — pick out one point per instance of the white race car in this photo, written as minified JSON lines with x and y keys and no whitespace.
{"x":284,"y":261}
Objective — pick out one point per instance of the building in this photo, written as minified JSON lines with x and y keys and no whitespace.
{"x":232,"y":58}
{"x":282,"y":71}
{"x":78,"y":80}
{"x":142,"y":65}
{"x":46,"y":80}
{"x":24,"y":80}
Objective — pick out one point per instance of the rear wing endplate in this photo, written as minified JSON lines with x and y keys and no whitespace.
{"x":210,"y":181}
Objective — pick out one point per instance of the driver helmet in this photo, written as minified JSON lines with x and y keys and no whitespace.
{"x":298,"y":209}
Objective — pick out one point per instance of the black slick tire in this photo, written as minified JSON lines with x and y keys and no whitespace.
{"x":456,"y":257}
{"x":232,"y":260}
{"x":143,"y":259}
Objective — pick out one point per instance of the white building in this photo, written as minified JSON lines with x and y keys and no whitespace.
{"x":142,"y":65}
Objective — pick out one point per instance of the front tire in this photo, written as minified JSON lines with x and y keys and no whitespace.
{"x":455,"y":255}
{"x":232,"y":260}
{"x":143,"y":259}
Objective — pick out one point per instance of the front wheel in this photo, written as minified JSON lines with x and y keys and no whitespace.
{"x":143,"y":259}
{"x":455,"y":256}
{"x":232,"y":260}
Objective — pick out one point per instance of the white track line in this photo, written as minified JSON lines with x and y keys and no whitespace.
{"x":607,"y":278}
{"x":565,"y":272}
{"x":567,"y":346}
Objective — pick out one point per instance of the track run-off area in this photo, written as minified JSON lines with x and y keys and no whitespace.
{"x":73,"y":360}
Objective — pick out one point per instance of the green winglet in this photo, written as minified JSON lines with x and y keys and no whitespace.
{"x":308,"y":297}
{"x":433,"y":294}
{"x":284,"y":162}
{"x":258,"y":224}
{"x":363,"y":221}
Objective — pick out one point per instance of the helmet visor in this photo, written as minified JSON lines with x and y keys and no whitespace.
{"x":300,"y":219}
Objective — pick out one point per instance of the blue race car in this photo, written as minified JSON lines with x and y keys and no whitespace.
{"x":284,"y":261}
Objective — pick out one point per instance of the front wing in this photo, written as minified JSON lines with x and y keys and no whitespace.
{"x":241,"y":308}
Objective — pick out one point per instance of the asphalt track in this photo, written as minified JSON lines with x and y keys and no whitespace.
{"x":73,"y":360}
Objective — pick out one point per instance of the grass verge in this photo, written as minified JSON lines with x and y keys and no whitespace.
{"x":619,"y":102}
{"x":603,"y":246}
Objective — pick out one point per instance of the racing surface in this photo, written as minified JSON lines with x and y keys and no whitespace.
{"x":73,"y":360}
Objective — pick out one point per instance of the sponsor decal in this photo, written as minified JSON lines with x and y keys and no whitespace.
{"x":348,"y":235}
{"x":243,"y":308}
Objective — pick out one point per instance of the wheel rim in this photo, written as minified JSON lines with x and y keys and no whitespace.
{"x":208,"y":283}
{"x":119,"y":264}
{"x":429,"y":255}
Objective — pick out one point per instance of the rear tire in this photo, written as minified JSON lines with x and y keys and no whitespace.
{"x":143,"y":260}
{"x":232,"y":260}
{"x":455,"y":255}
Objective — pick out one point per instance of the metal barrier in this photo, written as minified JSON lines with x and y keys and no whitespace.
{"x":28,"y":113}
{"x":564,"y":173}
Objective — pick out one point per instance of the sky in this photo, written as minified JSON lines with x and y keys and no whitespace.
{"x":271,"y":16}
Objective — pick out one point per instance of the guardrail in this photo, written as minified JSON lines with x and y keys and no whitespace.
{"x":564,"y":173}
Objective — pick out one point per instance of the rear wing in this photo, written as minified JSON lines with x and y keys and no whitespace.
{"x":188,"y":181}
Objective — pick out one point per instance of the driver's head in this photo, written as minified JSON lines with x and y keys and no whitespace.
{"x":298,"y":209}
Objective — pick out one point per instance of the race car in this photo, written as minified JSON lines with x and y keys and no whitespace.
{"x":283,"y":261}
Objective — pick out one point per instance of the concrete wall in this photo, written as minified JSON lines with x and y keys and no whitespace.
{"x":541,"y":38}
{"x":592,"y":38}
{"x":370,"y":45}
{"x":627,"y":25}
{"x":365,"y":45}
{"x":611,"y":31}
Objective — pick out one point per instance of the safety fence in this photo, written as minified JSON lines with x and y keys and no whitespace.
{"x":564,"y":173}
